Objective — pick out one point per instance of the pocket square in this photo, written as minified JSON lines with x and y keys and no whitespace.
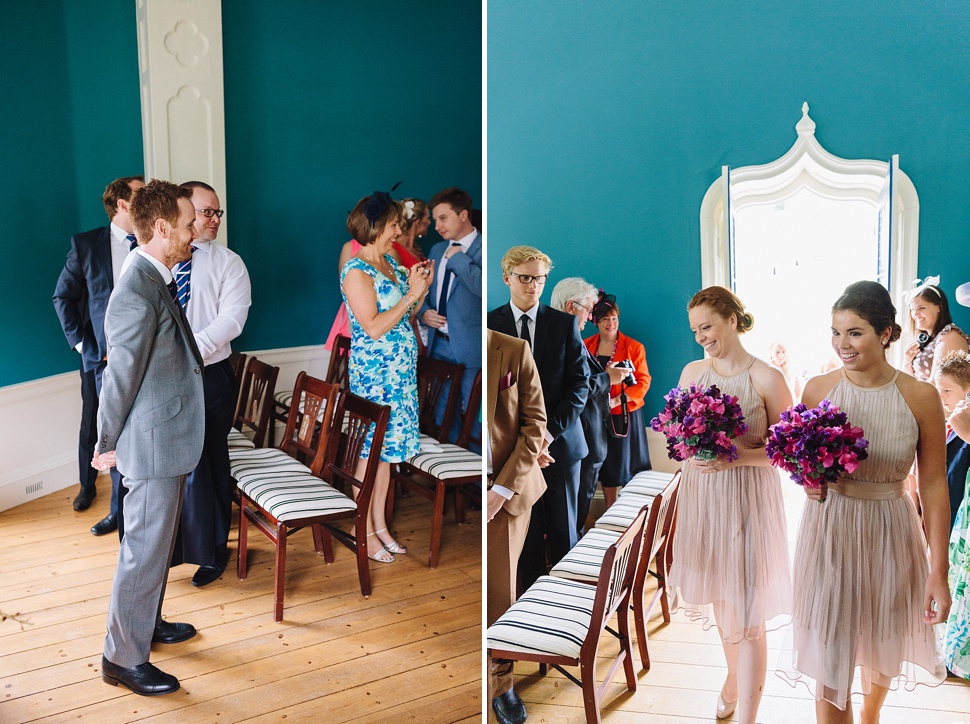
{"x":505,"y":382}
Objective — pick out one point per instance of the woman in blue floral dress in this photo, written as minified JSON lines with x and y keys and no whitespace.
{"x":381,"y":296}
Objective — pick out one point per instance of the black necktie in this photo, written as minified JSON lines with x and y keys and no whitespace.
{"x":525,"y":330}
{"x":173,"y":290}
{"x":445,"y":286}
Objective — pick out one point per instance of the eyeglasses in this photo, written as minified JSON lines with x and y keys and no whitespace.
{"x":588,"y":310}
{"x":209,"y":213}
{"x":529,"y":278}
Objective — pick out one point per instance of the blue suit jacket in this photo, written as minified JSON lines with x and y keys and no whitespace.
{"x":563,"y":372}
{"x":464,"y":302}
{"x":82,"y":292}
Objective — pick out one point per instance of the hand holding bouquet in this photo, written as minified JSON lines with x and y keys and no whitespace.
{"x":700,"y":423}
{"x":816,"y":446}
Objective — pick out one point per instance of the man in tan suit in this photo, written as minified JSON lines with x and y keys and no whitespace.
{"x":516,"y":430}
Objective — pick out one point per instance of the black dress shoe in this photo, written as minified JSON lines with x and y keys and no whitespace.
{"x":207,"y":574}
{"x":172,"y":632}
{"x":144,"y":679}
{"x":84,"y":498}
{"x":107,"y":524}
{"x":509,"y":708}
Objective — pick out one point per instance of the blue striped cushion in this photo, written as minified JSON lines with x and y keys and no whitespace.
{"x":623,"y":512}
{"x":294,"y":495}
{"x":649,"y":482}
{"x":251,"y":464}
{"x":552,"y":617}
{"x":584,"y":561}
{"x":451,"y":462}
{"x":238,"y":441}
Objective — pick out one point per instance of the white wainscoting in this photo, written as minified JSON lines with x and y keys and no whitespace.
{"x":39,"y":425}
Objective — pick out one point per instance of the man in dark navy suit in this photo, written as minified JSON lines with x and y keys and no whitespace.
{"x":90,"y":273}
{"x":563,"y":372}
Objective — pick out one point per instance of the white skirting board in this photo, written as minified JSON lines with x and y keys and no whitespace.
{"x":39,"y":423}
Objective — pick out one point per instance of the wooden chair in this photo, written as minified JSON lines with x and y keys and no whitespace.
{"x":446,"y":466}
{"x":280,"y":495}
{"x":337,"y":373}
{"x":583,"y":562}
{"x":559,"y":622}
{"x":253,"y":413}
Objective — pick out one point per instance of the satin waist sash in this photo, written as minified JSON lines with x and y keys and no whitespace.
{"x":868,"y":490}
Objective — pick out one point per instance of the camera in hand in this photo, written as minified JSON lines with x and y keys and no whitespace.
{"x":922,"y":339}
{"x":627,"y":365}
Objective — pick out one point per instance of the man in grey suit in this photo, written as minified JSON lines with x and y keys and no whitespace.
{"x":151,"y":424}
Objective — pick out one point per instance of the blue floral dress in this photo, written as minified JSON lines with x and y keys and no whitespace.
{"x":385,"y":370}
{"x":956,"y":634}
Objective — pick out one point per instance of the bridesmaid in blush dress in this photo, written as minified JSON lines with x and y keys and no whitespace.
{"x":731,"y":547}
{"x":866,"y":596}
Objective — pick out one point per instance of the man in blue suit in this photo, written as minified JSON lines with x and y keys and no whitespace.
{"x":453,"y":307}
{"x":90,"y":273}
{"x":564,"y":375}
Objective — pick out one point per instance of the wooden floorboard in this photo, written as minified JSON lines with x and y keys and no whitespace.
{"x":411,"y":651}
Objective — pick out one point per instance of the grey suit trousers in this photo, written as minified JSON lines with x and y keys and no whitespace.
{"x":152,"y":509}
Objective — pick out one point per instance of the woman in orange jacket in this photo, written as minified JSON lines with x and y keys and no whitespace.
{"x":628,"y":455}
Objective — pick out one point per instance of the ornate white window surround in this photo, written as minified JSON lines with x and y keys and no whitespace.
{"x":807,"y":164}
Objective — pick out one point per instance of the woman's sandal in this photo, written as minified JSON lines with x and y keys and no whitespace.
{"x":382,"y":554}
{"x":393,"y":546}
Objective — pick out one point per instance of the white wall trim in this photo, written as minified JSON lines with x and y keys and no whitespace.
{"x":39,"y":420}
{"x":182,"y":94}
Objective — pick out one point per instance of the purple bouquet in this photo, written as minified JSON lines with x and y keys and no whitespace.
{"x":816,"y":446}
{"x":700,"y":423}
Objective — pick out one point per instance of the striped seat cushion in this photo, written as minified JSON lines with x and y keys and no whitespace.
{"x":251,"y":464}
{"x":552,"y":617}
{"x":451,"y":462}
{"x":294,"y":495}
{"x":284,"y":397}
{"x":284,"y":487}
{"x":619,"y":515}
{"x":584,"y":561}
{"x":238,"y":441}
{"x":649,"y":482}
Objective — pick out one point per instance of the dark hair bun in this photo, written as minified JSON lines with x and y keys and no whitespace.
{"x":896,"y":333}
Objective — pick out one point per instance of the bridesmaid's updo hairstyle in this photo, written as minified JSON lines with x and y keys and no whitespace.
{"x":933,"y":295}
{"x":871,"y":301}
{"x":371,"y":216}
{"x":725,"y":303}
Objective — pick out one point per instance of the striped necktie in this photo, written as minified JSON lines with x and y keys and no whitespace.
{"x":132,"y":242}
{"x":183,"y":280}
{"x":446,"y":286}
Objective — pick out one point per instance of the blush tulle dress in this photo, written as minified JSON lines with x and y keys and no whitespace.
{"x":731,"y":544}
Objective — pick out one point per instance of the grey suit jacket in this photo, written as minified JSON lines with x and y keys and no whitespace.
{"x":152,"y":410}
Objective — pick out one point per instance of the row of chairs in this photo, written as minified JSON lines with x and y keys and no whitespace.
{"x":306,"y":480}
{"x":559,"y":621}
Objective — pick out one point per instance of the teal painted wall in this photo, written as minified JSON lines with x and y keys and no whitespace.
{"x":326,"y":103}
{"x":608,"y":121}
{"x":70,"y":122}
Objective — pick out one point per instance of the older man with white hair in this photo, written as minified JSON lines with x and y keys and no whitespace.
{"x":576,"y":296}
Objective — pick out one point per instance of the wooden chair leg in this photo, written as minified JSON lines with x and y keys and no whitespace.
{"x":436,"y":522}
{"x":591,"y":702}
{"x":363,"y":564}
{"x":327,"y":541}
{"x":389,"y":502}
{"x":280,"y":576}
{"x":626,"y":643}
{"x":317,"y":537}
{"x":460,"y":504}
{"x":243,"y":548}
